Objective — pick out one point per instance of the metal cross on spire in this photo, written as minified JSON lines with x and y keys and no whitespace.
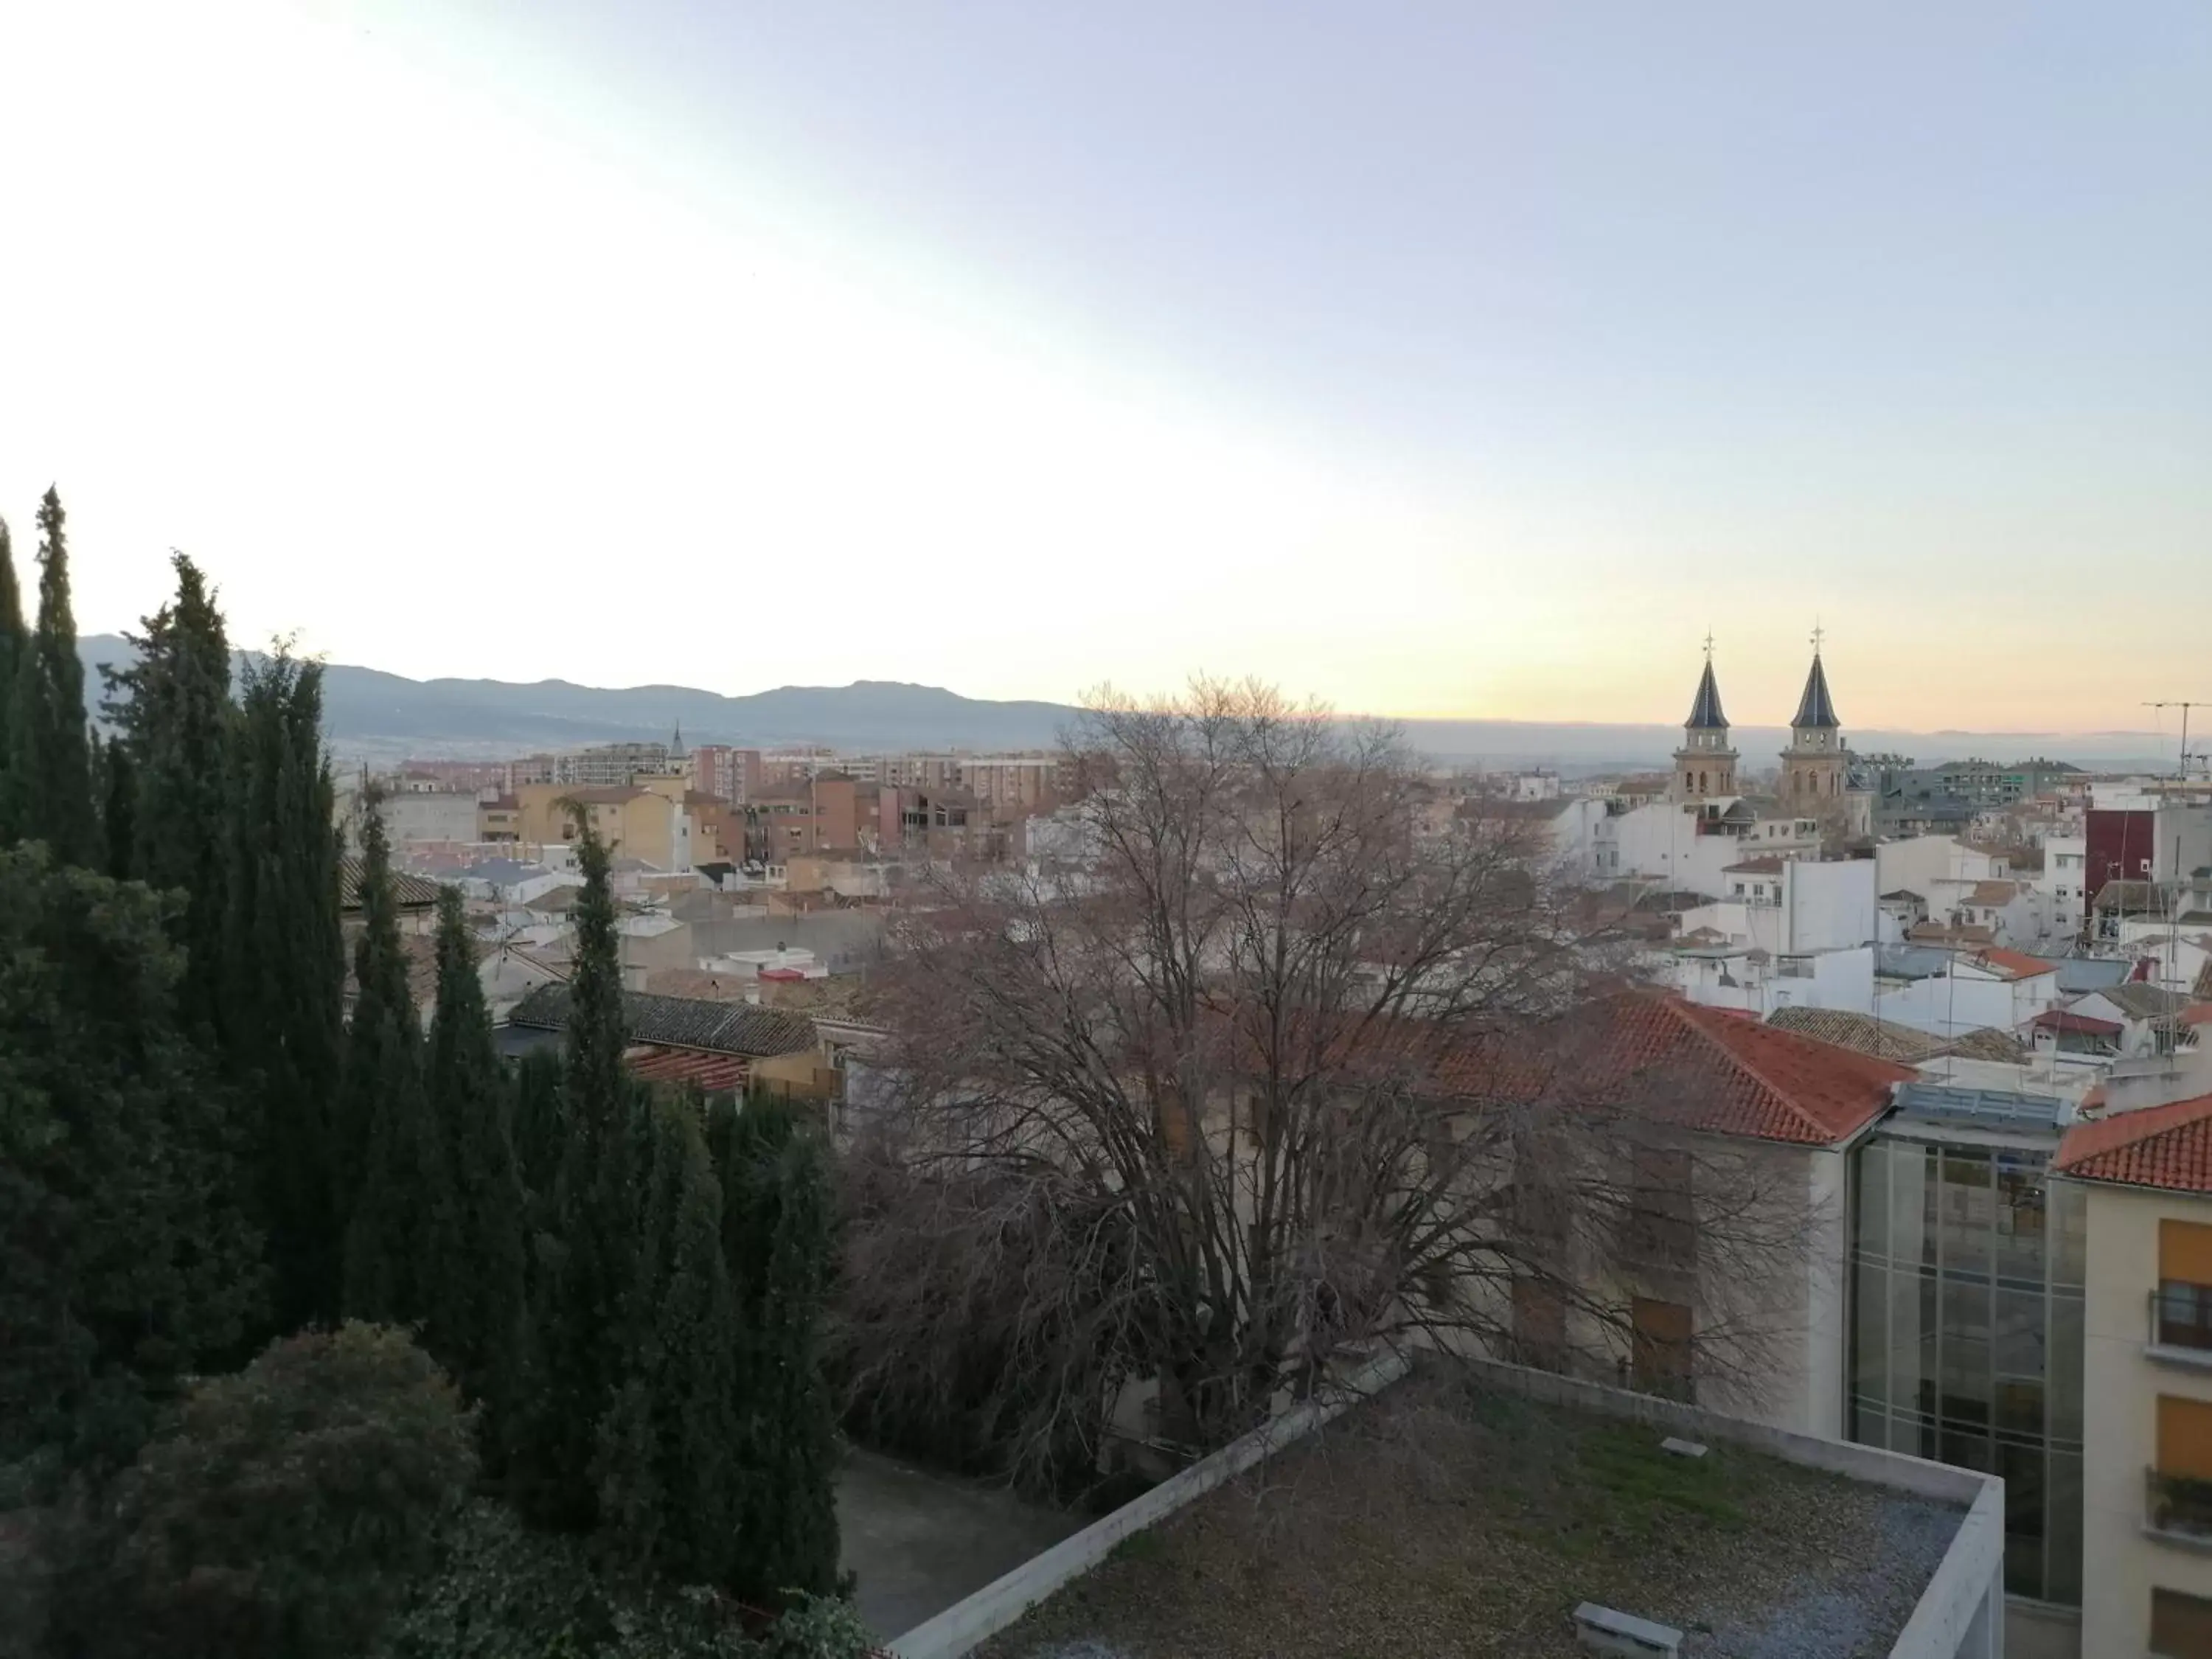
{"x":1709,"y":644}
{"x":1818,"y":634}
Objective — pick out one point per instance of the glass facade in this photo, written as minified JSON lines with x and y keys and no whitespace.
{"x":1967,"y":1279}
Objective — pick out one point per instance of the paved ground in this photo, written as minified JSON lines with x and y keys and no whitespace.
{"x":921,"y":1541}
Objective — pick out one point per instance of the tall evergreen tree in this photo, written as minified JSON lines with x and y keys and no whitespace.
{"x":474,"y":1299}
{"x":669,"y":1493}
{"x":50,"y":761}
{"x":540,"y":1126}
{"x":14,"y":638}
{"x":175,"y":723}
{"x":125,"y":1261}
{"x":782,"y":1251}
{"x":118,"y":814}
{"x":284,"y":971}
{"x":577,"y":1316}
{"x":391,"y":1181}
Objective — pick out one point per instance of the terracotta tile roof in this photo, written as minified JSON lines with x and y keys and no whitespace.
{"x":2015,"y":964}
{"x":412,"y":892}
{"x":1760,"y":867}
{"x":2064,"y":1019}
{"x":714,"y":1074}
{"x":1990,"y":1043}
{"x":1994,"y":892}
{"x":1936,"y":933}
{"x":2168,"y":1147}
{"x":1708,"y":1071}
{"x":2196,"y":1014}
{"x":1862,"y":1033}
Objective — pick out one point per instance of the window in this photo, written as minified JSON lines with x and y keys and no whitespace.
{"x":1660,"y":1348}
{"x":2185,"y":1285}
{"x":1739,"y":889}
{"x":2180,"y":1626}
{"x":1660,"y":1230}
{"x":1539,"y":1325}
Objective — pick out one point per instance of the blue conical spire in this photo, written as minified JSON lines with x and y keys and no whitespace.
{"x":1706,"y":712}
{"x":1815,"y":710}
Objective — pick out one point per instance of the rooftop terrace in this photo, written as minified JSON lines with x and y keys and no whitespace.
{"x":1454,"y":1515}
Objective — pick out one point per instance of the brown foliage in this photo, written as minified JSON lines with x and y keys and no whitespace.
{"x":1267,"y":1071}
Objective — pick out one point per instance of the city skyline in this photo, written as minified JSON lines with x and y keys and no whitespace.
{"x":1458,"y":366}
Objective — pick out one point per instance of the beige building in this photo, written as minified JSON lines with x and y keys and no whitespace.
{"x":636,"y":821}
{"x":2147,"y":1463}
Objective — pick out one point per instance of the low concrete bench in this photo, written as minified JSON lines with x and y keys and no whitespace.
{"x":1609,"y":1630}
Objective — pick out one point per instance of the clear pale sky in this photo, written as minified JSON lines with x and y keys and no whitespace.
{"x":1444,"y":359}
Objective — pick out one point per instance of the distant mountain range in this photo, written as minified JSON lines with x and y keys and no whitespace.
{"x":372,"y":715}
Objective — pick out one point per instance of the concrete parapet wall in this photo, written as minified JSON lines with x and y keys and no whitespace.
{"x":996,"y":1605}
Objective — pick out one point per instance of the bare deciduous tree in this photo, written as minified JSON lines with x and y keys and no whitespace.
{"x":1272,"y":1064}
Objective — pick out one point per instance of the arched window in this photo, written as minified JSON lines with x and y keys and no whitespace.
{"x":1701,"y":783}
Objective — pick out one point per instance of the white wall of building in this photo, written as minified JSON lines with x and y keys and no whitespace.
{"x":1918,"y":862}
{"x":1827,"y":906}
{"x":1952,"y":1006}
{"x":2060,"y":883}
{"x":441,"y":815}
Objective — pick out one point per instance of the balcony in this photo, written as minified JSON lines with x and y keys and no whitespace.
{"x":2180,"y":1326}
{"x":2178,"y":1508}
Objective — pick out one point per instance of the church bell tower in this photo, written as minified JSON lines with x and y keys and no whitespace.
{"x":1704,"y":766}
{"x":1814,"y":768}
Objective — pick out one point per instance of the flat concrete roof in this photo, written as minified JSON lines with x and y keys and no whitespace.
{"x":1451,"y":1517}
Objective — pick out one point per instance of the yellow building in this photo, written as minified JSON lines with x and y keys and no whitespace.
{"x":2147,"y":1376}
{"x":636,"y":822}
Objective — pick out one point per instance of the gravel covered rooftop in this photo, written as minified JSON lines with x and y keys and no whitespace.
{"x":1447,"y":1518}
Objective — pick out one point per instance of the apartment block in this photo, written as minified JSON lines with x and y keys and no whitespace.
{"x":2145,"y":1178}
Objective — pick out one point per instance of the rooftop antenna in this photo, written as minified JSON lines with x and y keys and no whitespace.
{"x":2181,"y":761}
{"x":2181,"y":777}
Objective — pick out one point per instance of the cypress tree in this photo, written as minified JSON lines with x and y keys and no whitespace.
{"x":284,"y":972}
{"x":540,"y":1125}
{"x":579,"y":1314}
{"x":176,"y":722}
{"x":789,"y":1448}
{"x":389,"y":1186}
{"x":669,"y":1453}
{"x":50,"y":755}
{"x":118,"y":816}
{"x":12,"y":640}
{"x":474,"y":1305}
{"x":125,"y":1261}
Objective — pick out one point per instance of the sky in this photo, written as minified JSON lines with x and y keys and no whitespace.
{"x":1446,"y":360}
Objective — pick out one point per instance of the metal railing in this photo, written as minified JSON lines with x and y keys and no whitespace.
{"x":2180,"y":1505}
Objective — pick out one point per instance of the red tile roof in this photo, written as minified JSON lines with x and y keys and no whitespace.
{"x":2015,"y":964}
{"x":714,"y":1074}
{"x":2196,"y":1014}
{"x":2061,"y":1019}
{"x":1704,"y":1068}
{"x":2168,"y":1147}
